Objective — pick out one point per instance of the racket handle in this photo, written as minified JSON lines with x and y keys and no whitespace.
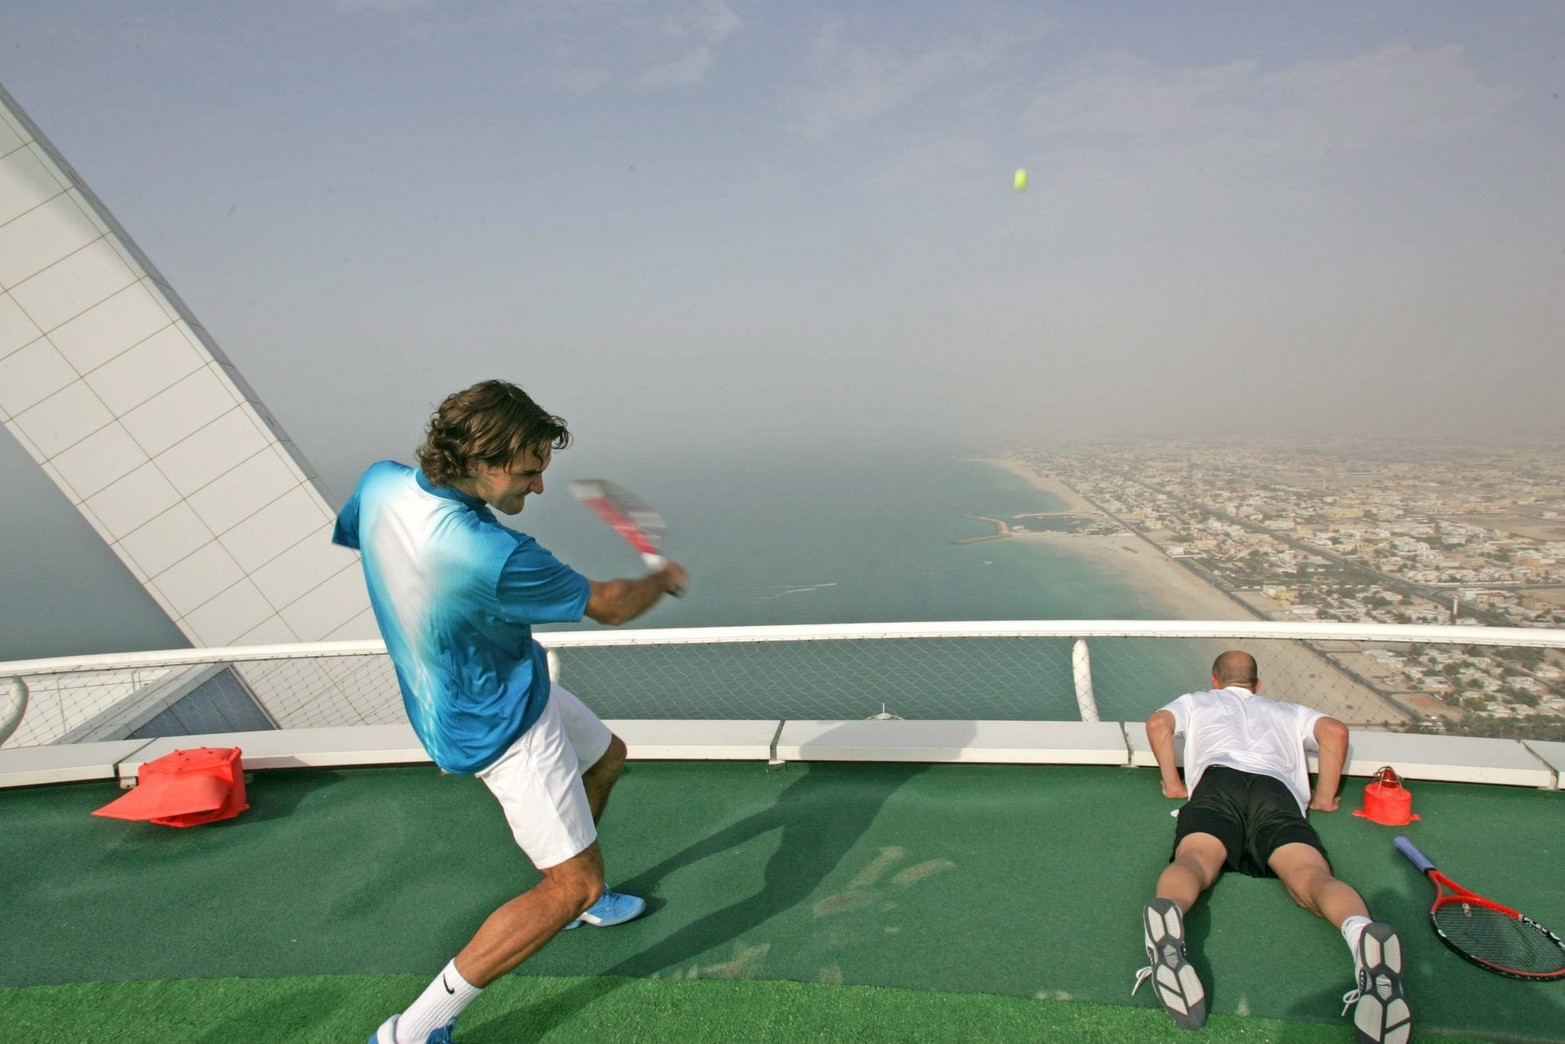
{"x":1414,"y":855}
{"x":655,"y":563}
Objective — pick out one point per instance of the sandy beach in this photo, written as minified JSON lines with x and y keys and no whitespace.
{"x":1289,"y":670}
{"x":1175,"y":590}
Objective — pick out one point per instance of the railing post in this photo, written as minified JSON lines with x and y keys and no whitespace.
{"x":1081,"y":667}
{"x":12,"y":706}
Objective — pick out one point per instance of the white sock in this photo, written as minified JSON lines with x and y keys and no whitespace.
{"x":1352,"y":932}
{"x":441,"y":1002}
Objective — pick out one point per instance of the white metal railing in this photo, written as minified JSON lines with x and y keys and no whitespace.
{"x":1468,"y":677}
{"x":1302,"y":631}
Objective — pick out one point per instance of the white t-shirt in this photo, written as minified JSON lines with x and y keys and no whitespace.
{"x":1237,"y":728}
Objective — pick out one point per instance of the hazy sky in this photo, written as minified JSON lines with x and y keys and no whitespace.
{"x":710,"y":224}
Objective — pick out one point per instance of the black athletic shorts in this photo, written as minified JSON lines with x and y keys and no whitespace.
{"x":1252,"y":815}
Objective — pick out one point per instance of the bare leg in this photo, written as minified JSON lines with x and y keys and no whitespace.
{"x":600,"y":779}
{"x":1306,"y":875}
{"x":520,"y":928}
{"x":1198,"y":862}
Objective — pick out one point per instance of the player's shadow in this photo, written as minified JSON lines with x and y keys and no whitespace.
{"x":821,"y":817}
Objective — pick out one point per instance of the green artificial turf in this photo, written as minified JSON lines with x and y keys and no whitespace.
{"x":333,"y":1009}
{"x":1009,"y":888}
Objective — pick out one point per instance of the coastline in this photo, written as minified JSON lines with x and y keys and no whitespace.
{"x":1140,"y":564}
{"x":1180,"y":594}
{"x":1133,"y":560}
{"x":1075,"y":503}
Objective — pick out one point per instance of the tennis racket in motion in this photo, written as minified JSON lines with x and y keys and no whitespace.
{"x":628,"y":515}
{"x":1492,"y":936}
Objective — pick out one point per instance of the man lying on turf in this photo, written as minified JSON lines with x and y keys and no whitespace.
{"x":1248,"y":789}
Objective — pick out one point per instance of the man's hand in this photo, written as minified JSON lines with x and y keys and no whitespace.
{"x":1175,"y":789}
{"x":672,"y":577}
{"x":1324,"y":802}
{"x":614,"y":602}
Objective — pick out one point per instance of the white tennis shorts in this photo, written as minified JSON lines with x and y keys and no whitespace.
{"x":538,"y":780}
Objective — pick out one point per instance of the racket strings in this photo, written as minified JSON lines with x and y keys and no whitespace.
{"x":1498,"y":938}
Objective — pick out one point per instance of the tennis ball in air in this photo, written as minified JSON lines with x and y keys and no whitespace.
{"x":1021,"y":179}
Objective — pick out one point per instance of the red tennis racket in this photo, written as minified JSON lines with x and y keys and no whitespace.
{"x":636,"y":521}
{"x":1482,"y":931}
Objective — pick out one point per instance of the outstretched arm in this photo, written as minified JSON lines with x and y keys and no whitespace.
{"x":1160,"y":733}
{"x":614,"y":602}
{"x":1331,"y":736}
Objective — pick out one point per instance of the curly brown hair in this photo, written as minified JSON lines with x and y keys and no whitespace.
{"x":492,"y":423}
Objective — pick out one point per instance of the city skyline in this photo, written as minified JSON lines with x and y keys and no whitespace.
{"x":1345,"y":533}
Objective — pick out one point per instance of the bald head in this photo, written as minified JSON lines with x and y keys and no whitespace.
{"x":1234,"y":668}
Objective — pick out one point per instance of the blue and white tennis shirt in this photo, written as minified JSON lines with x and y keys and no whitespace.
{"x":456,"y":594}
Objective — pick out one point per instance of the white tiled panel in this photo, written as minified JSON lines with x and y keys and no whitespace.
{"x":360,"y":627}
{"x":327,"y":607}
{"x":134,"y":500}
{"x":25,"y":183}
{"x":63,"y":419}
{"x":72,"y":285}
{"x":165,"y":539}
{"x":296,"y":515}
{"x":17,"y":330}
{"x":204,"y":456}
{"x":228,"y":616}
{"x":145,"y":369}
{"x":271,"y":631}
{"x":244,"y":489}
{"x":110,"y":327}
{"x":179,"y":411}
{"x":42,"y":237}
{"x":112,"y":385}
{"x":198,"y":577}
{"x":30,"y":375}
{"x":13,"y":130}
{"x":99,"y":460}
{"x":299,"y":569}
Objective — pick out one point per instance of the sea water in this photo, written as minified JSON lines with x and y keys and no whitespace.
{"x":839,"y":533}
{"x":857,"y":534}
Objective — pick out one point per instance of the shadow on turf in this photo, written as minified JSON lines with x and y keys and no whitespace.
{"x":278,"y":794}
{"x":821,"y":817}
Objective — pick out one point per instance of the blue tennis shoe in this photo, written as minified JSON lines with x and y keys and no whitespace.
{"x":611,"y":908}
{"x":387,"y":1034}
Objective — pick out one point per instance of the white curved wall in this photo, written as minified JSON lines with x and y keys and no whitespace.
{"x":114,"y":388}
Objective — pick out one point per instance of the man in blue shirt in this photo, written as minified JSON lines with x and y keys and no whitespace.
{"x":455,"y":594}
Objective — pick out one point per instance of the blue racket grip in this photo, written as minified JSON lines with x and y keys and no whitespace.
{"x":1414,"y":855}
